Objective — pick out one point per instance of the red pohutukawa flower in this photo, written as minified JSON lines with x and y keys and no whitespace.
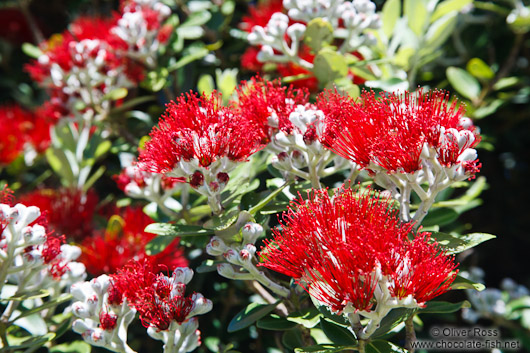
{"x":124,"y":240}
{"x":21,"y":130}
{"x":69,"y":211}
{"x":268,"y":104}
{"x":342,"y":248}
{"x":200,"y":131}
{"x":159,"y":299}
{"x":396,"y":133}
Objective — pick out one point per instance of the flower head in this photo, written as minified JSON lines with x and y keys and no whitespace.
{"x":268,"y":104}
{"x":159,"y":299}
{"x":342,"y":248}
{"x":396,"y":132}
{"x":124,"y":239}
{"x":69,"y":211}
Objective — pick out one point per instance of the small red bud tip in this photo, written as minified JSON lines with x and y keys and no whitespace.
{"x":310,"y":135}
{"x":282,"y":156}
{"x":196,"y":180}
{"x":107,"y":321}
{"x":223,"y":178}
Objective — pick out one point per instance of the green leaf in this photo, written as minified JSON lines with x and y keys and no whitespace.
{"x":208,"y":266}
{"x":479,"y":69}
{"x":292,"y":339}
{"x":454,"y":244}
{"x":307,"y":317}
{"x":440,"y":217}
{"x":191,"y":57}
{"x":255,"y":209}
{"x":223,"y":221}
{"x":191,"y":32}
{"x":226,"y":81}
{"x":176,"y":230}
{"x":337,"y":334}
{"x":197,"y":19}
{"x":439,"y":307}
{"x":390,"y":14}
{"x":380,"y":346}
{"x":275,"y":323}
{"x":31,"y":342}
{"x":155,"y":80}
{"x":117,"y":93}
{"x":463,"y":283}
{"x":465,"y":84}
{"x":417,"y":15}
{"x":158,"y":244}
{"x":102,"y":149}
{"x":324,"y":348}
{"x":447,"y":6}
{"x":329,"y":65}
{"x":34,"y":324}
{"x":71,"y":347}
{"x":440,"y":30}
{"x":31,"y":50}
{"x":318,"y":34}
{"x":41,"y":293}
{"x":63,"y":298}
{"x":60,"y":165}
{"x":249,"y":315}
{"x":206,"y":85}
{"x":391,"y":320}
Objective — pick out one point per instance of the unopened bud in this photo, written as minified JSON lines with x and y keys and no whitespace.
{"x":251,"y":232}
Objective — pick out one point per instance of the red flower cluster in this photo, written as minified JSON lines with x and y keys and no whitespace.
{"x":198,"y":130}
{"x":19,"y":129}
{"x":69,"y":211}
{"x":158,"y":299}
{"x":340,"y":247}
{"x":123,"y":240}
{"x":391,"y":132}
{"x":268,"y":104}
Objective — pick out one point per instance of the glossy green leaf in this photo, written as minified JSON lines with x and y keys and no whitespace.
{"x":177,"y":230}
{"x":445,"y":7}
{"x":117,"y":93}
{"x":417,"y":15}
{"x":63,"y":298}
{"x":462,"y":81}
{"x":337,"y":334}
{"x":391,"y":320}
{"x":41,"y":293}
{"x":440,"y":31}
{"x":250,"y":315}
{"x":226,"y":81}
{"x":329,"y":65}
{"x":275,"y":323}
{"x":454,"y":244}
{"x":223,"y":221}
{"x":31,"y":342}
{"x":479,"y":69}
{"x":158,"y":244}
{"x":390,"y":14}
{"x":440,"y":307}
{"x":440,"y":217}
{"x":292,"y":339}
{"x":380,"y":346}
{"x":185,"y":60}
{"x":197,"y":19}
{"x":190,"y":32}
{"x":255,"y":209}
{"x":307,"y":317}
{"x":318,"y":34}
{"x":72,"y":347}
{"x":31,"y":50}
{"x":324,"y":348}
{"x":463,"y":283}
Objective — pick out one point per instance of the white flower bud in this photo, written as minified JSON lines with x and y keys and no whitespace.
{"x":251,"y":232}
{"x":182,"y":275}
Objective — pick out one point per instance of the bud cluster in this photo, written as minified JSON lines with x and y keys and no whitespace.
{"x":281,"y":39}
